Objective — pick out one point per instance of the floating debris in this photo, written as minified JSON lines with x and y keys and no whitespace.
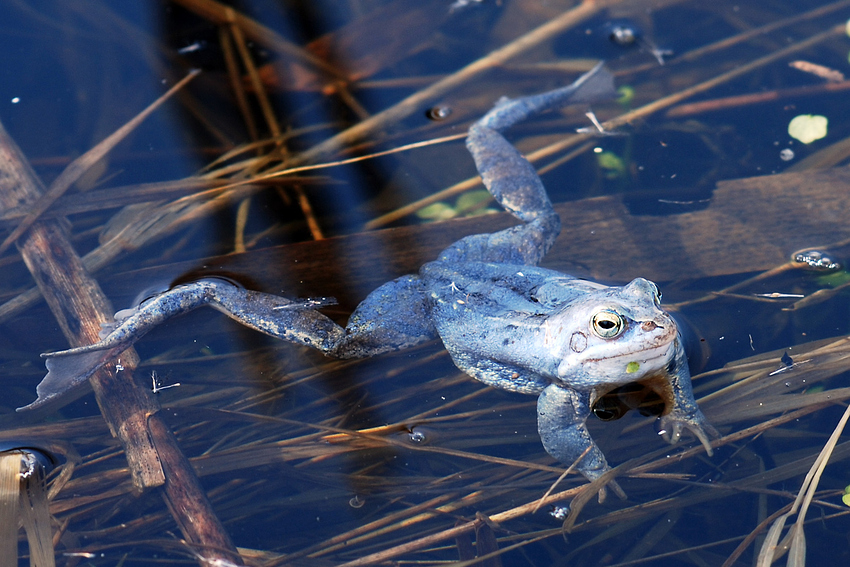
{"x":196,"y":46}
{"x":461,"y":4}
{"x":439,"y":112}
{"x":807,"y":128}
{"x":626,"y":33}
{"x":826,"y":73}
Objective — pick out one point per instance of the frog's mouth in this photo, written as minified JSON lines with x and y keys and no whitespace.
{"x":647,"y":359}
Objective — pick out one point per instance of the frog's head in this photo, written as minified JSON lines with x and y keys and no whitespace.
{"x":613,"y":336}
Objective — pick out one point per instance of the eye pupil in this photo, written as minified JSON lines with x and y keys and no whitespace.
{"x":607,"y":324}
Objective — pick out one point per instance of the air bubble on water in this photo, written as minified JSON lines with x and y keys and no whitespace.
{"x":417,"y":436}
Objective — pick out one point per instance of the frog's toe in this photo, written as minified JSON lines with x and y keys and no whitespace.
{"x":613,"y":485}
{"x":605,"y":483}
{"x":66,"y":370}
{"x":670,"y":427}
{"x":705,"y":432}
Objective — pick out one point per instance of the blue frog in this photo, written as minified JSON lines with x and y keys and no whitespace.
{"x":505,"y":321}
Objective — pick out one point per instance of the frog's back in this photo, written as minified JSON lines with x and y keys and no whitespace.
{"x":495,"y":290}
{"x":491,"y":318}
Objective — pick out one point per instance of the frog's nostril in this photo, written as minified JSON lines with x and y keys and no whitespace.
{"x":649,"y":325}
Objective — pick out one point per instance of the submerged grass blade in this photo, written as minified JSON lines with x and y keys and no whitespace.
{"x":36,"y":520}
{"x":79,"y":166}
{"x":420,"y":99}
{"x":768,"y":548}
{"x":795,"y":541}
{"x":10,"y":473}
{"x":610,"y":125}
{"x":797,"y":553}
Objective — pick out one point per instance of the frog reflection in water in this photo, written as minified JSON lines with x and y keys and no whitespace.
{"x":504,"y":321}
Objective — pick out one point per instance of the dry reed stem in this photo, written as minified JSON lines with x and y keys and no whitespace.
{"x":82,"y":164}
{"x":236,"y":85}
{"x":736,"y":101}
{"x":660,"y":461}
{"x":649,"y":509}
{"x":794,"y":542}
{"x":79,"y":306}
{"x":614,"y":123}
{"x":422,"y":98}
{"x":223,"y":15}
{"x":10,"y":486}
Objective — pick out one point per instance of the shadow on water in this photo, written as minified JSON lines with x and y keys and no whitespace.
{"x":695,"y":184}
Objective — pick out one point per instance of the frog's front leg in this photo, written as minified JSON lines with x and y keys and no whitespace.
{"x":394,"y":316}
{"x":561,"y":421}
{"x":513,"y":181}
{"x":685,"y":414}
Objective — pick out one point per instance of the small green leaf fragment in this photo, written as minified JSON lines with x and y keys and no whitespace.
{"x":632,"y":367}
{"x":807,"y":128}
{"x":483,"y":211}
{"x":627,"y":94}
{"x":611,"y":164}
{"x":846,"y":499}
{"x":436,"y":211}
{"x":472,"y":199}
{"x":833,"y":280}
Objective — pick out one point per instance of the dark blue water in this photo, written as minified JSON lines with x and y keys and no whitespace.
{"x":258,"y":417}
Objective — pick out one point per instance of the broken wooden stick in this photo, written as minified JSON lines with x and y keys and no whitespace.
{"x":130,"y":410}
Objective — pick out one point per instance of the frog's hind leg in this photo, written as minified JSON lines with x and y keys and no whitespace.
{"x":393,"y":317}
{"x":512,"y":180}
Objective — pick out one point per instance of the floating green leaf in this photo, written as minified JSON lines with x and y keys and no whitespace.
{"x":807,"y":128}
{"x":472,"y":200}
{"x":437,"y":211}
{"x":611,"y":164}
{"x":627,"y":95}
{"x":471,"y":203}
{"x":833,"y":280}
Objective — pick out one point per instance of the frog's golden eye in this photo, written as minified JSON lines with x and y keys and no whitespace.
{"x":607,"y":324}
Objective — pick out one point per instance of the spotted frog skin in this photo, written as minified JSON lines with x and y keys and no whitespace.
{"x":505,"y":321}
